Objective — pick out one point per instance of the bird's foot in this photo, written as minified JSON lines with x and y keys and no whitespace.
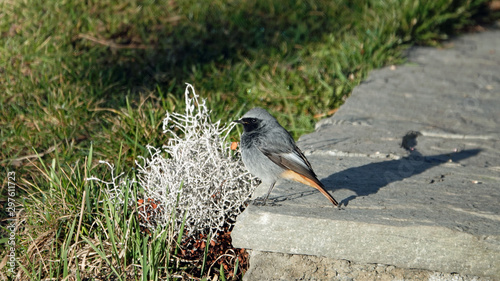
{"x":261,"y":201}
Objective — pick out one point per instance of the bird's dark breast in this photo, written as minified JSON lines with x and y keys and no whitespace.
{"x":248,"y":139}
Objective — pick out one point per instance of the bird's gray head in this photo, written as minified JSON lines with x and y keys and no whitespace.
{"x":256,"y":118}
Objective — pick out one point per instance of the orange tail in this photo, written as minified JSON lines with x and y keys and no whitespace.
{"x":310,"y":182}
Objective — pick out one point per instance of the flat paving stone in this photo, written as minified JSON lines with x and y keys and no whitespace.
{"x":435,"y":208}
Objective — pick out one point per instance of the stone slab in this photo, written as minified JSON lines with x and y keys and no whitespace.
{"x":436,"y":208}
{"x":435,"y":216}
{"x":277,"y":266}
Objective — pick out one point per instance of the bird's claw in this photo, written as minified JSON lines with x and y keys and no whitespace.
{"x":261,"y":201}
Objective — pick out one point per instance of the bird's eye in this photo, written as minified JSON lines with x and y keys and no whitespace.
{"x":253,"y":120}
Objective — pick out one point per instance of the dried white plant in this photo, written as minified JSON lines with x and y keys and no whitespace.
{"x":195,"y":175}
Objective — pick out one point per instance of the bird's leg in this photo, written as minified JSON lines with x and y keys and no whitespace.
{"x":262,"y":200}
{"x":269,"y":192}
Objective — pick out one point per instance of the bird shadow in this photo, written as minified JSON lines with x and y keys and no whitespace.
{"x":370,"y":178}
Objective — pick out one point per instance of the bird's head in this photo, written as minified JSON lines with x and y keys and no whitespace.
{"x":255,"y":118}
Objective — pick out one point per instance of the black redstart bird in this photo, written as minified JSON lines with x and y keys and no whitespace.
{"x":269,"y":153}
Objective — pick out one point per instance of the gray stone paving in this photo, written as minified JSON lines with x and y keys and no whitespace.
{"x":435,"y":209}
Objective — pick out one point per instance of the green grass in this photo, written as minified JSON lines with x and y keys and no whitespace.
{"x":93,"y":79}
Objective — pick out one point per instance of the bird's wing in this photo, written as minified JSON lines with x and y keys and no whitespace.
{"x":292,"y":159}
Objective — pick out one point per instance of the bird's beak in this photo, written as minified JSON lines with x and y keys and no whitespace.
{"x":238,"y":121}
